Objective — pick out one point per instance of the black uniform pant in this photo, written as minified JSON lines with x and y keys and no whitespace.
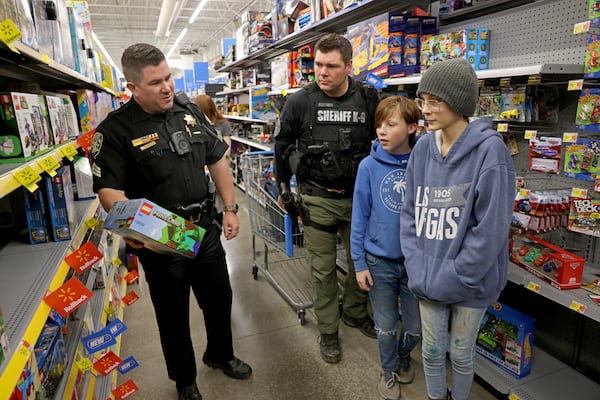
{"x":170,"y":279}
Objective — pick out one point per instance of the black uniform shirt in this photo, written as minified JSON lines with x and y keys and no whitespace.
{"x":132,"y":152}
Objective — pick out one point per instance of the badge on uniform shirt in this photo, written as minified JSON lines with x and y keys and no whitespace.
{"x":144,"y":139}
{"x":191,"y":121}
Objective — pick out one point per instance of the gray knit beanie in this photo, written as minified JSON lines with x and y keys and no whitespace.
{"x":453,"y":81}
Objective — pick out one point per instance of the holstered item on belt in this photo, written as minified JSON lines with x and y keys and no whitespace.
{"x":306,"y":221}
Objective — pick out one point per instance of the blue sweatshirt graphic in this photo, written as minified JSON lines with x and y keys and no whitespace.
{"x":456,"y":218}
{"x":378,"y":195}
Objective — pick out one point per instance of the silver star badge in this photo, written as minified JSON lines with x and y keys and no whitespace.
{"x":191,"y":121}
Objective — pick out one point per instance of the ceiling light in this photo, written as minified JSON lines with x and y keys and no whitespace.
{"x":166,"y":14}
{"x":181,"y":35}
{"x":197,"y":11}
{"x":105,"y":53}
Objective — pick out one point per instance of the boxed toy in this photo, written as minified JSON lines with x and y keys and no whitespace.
{"x":582,"y":159}
{"x":158,"y":228}
{"x":35,"y":214}
{"x":280,"y":72}
{"x":506,"y":338}
{"x":25,"y":129}
{"x":369,"y":41}
{"x":584,"y":216}
{"x":588,"y":110}
{"x":442,"y":47}
{"x":61,"y":206}
{"x":560,"y":268}
{"x":58,"y":119}
{"x":50,"y":354}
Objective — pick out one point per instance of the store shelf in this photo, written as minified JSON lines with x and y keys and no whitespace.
{"x":239,"y":90}
{"x":481,"y":8}
{"x":283,"y":92}
{"x":575,"y":299}
{"x":245,"y":119}
{"x":252,"y":143}
{"x":541,"y":69}
{"x":27,"y":64}
{"x":338,"y":22}
{"x":27,"y":272}
{"x":549,"y":379}
{"x":8,"y":182}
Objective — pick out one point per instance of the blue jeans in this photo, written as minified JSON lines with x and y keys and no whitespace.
{"x":464,"y":327}
{"x":389,"y":282}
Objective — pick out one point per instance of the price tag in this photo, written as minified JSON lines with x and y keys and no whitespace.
{"x":505,"y":82}
{"x":575,"y":306}
{"x":581,"y":27}
{"x":84,"y":364}
{"x":530,"y":133}
{"x":570,"y":137}
{"x":110,"y":310}
{"x":24,"y":349}
{"x":27,"y":177}
{"x":578,"y":192}
{"x":9,"y":32}
{"x":91,"y":223}
{"x":49,"y":165}
{"x":513,"y":396}
{"x":575,"y":84}
{"x":284,"y":92}
{"x":69,"y":151}
{"x":524,"y":192}
{"x":534,"y":287}
{"x":46,"y":59}
{"x":502,"y":127}
{"x":481,"y":83}
{"x":117,"y":261}
{"x":534,"y":79}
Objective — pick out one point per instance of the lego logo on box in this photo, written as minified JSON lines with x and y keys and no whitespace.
{"x":159,"y":229}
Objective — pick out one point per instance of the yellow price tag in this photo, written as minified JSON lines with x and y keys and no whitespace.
{"x":69,"y":151}
{"x":27,"y":177}
{"x":46,"y":59}
{"x":530,"y":133}
{"x":502,"y":127}
{"x":9,"y":31}
{"x":110,"y":310}
{"x":570,"y":137}
{"x":84,"y":364}
{"x":117,"y":262}
{"x":581,"y":27}
{"x":534,"y":79}
{"x":575,"y":306}
{"x":534,"y":287}
{"x":504,"y":82}
{"x":49,"y":165}
{"x":91,"y":223}
{"x":481,"y":82}
{"x":284,"y":92}
{"x":513,"y":396}
{"x":575,"y":84}
{"x":578,"y":192}
{"x":524,"y":192}
{"x":24,"y":349}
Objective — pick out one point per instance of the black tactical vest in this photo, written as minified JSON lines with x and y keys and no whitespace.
{"x":334,"y":138}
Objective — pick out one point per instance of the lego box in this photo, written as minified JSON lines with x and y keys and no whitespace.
{"x":158,"y":228}
{"x":61,"y":206}
{"x":35,"y":214}
{"x":506,"y":338}
{"x":554,"y":265}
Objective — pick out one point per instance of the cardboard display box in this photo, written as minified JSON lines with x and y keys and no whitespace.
{"x":158,"y":228}
{"x":506,"y":338}
{"x":556,"y":266}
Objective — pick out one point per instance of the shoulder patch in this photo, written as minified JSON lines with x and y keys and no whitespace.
{"x":97,"y":143}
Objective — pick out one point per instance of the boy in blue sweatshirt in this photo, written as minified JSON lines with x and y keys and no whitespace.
{"x":460,"y":189}
{"x":374,"y":241}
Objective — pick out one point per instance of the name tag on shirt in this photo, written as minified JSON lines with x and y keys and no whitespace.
{"x":151,"y":138}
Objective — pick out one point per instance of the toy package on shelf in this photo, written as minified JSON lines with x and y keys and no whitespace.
{"x":582,"y":159}
{"x":35,"y":215}
{"x":61,"y":204}
{"x":593,"y":287}
{"x":505,"y":337}
{"x":560,"y":268}
{"x":510,"y":140}
{"x":544,"y":154}
{"x":540,"y":211}
{"x":158,"y":228}
{"x":584,"y":216}
{"x":591,"y":67}
{"x":489,"y":103}
{"x":369,"y":41}
{"x":280,"y":72}
{"x":593,"y":9}
{"x":588,"y":110}
{"x":51,"y":357}
{"x":512,"y":106}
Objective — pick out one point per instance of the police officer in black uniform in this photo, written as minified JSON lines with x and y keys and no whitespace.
{"x":325,"y":131}
{"x":156,"y":147}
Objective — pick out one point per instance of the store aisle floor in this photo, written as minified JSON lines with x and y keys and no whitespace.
{"x":267,"y":334}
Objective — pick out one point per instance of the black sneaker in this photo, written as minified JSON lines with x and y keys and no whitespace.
{"x":365,"y":325}
{"x":190,"y":392}
{"x":330,"y":348}
{"x":236,"y":368}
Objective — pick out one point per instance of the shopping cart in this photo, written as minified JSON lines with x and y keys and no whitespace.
{"x":282,"y":262}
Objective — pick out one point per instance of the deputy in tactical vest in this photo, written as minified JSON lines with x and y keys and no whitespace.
{"x":325,"y":131}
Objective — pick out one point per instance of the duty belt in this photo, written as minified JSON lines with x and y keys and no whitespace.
{"x":312,"y":189}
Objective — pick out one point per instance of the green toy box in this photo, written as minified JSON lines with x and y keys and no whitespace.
{"x":158,"y":228}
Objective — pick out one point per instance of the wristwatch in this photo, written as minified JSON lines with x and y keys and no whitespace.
{"x":231,"y":208}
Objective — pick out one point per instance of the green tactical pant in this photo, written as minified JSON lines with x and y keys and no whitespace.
{"x":321,"y":249}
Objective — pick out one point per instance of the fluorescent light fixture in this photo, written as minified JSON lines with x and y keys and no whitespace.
{"x":166,"y":14}
{"x":197,"y":11}
{"x":181,"y":35}
{"x":105,"y":53}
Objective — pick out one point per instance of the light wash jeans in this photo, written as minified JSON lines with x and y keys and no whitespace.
{"x":463,"y":335}
{"x":389,"y":282}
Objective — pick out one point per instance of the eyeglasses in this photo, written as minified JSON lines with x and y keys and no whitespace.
{"x":434,"y":105}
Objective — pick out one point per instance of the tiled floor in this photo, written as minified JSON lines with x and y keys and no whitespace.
{"x":267,"y":334}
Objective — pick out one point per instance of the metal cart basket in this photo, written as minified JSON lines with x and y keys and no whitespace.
{"x":282,"y":262}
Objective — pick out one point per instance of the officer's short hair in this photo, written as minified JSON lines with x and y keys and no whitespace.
{"x":332,"y":42}
{"x":136,"y":57}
